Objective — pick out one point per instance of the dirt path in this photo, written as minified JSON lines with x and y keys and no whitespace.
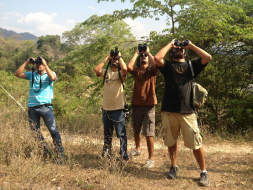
{"x":229,"y":164}
{"x":224,"y":147}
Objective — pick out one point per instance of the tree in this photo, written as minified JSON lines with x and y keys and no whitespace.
{"x":96,"y":40}
{"x":51,"y":47}
{"x":144,"y":9}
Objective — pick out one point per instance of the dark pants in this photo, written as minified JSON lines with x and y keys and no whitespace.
{"x":117,"y":115}
{"x":48,"y":117}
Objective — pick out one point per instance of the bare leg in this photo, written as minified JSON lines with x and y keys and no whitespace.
{"x":137,"y":139}
{"x":173,"y":154}
{"x":199,"y":155}
{"x":150,"y":145}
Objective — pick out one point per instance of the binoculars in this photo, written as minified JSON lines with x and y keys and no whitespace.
{"x":114,"y":52}
{"x":142,"y":47}
{"x":37,"y":61}
{"x":178,"y":43}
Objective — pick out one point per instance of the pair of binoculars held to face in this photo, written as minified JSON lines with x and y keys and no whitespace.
{"x":142,"y":47}
{"x":114,"y":53}
{"x":36,"y":61}
{"x":178,"y":43}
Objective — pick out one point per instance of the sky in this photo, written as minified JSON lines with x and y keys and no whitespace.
{"x":53,"y":17}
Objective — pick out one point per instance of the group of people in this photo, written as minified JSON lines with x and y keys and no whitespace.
{"x":178,"y":113}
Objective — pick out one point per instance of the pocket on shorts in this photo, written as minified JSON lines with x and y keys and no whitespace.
{"x":197,"y":139}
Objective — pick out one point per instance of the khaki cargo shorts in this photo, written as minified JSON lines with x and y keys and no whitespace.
{"x":172,"y":123}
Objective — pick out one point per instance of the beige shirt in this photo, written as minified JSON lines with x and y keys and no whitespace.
{"x":113,"y":94}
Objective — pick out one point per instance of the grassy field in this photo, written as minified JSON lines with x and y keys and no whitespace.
{"x":229,"y":162}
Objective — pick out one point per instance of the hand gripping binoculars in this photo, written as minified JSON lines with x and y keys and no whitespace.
{"x":37,"y":61}
{"x":178,"y":43}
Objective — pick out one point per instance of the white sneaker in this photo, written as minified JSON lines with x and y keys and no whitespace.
{"x":134,"y":152}
{"x":149,"y":164}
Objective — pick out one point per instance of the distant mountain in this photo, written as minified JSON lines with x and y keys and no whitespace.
{"x":23,"y":36}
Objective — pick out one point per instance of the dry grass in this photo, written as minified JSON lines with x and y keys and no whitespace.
{"x":22,"y":167}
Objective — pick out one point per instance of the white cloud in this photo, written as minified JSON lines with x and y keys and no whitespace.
{"x":5,"y":18}
{"x":37,"y":18}
{"x":103,"y":11}
{"x":52,"y":29}
{"x":71,"y":21}
{"x":92,"y":8}
{"x":13,"y":14}
{"x":137,"y":28}
{"x":161,"y":27}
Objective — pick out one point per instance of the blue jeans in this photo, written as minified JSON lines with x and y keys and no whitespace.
{"x":47,"y":115}
{"x":117,"y":115}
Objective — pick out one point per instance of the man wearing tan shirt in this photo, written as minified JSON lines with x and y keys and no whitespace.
{"x":113,"y":102}
{"x":143,"y":100}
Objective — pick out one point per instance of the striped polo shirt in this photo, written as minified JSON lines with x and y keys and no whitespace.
{"x":39,"y":96}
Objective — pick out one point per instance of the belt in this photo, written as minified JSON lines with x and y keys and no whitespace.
{"x":46,"y":105}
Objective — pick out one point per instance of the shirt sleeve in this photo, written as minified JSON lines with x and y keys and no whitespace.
{"x":123,"y":78}
{"x":163,"y":68}
{"x":197,"y":66}
{"x":50,"y":82}
{"x":134,"y":71}
{"x":28,"y":75}
{"x":102,"y":73}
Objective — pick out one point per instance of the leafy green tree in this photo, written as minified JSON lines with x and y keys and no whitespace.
{"x":144,"y":9}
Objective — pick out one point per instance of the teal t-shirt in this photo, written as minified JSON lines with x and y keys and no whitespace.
{"x":39,"y":96}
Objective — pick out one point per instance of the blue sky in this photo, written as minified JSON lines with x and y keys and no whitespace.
{"x":42,"y":17}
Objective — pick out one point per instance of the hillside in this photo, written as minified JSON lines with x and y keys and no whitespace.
{"x":23,"y":36}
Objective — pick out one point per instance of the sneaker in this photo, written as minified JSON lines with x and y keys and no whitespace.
{"x":204,"y":179}
{"x":149,"y":164}
{"x":173,"y":172}
{"x":134,"y":152}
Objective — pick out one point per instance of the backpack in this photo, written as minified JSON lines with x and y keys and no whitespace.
{"x":199,"y":93}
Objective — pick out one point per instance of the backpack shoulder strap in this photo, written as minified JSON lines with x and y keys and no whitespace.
{"x":120,"y":76}
{"x":105,"y":73}
{"x":190,"y":63}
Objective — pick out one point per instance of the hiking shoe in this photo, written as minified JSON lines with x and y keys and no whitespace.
{"x":134,"y":152}
{"x":204,"y":179}
{"x":172,"y":173}
{"x":149,"y":164}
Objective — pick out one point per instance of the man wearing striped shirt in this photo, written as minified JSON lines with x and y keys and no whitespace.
{"x":40,"y":103}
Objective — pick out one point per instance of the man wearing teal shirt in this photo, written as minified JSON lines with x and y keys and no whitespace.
{"x":40,"y":102}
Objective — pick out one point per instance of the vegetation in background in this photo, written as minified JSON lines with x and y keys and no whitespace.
{"x":223,"y":28}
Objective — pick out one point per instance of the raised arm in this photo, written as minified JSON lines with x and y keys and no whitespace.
{"x":205,"y":57}
{"x":101,"y":64}
{"x":20,"y":71}
{"x":50,"y":73}
{"x":130,"y":65}
{"x":122,"y":65}
{"x":150,"y":57}
{"x":160,"y":55}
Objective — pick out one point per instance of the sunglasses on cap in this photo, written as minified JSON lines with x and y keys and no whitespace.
{"x":143,"y":54}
